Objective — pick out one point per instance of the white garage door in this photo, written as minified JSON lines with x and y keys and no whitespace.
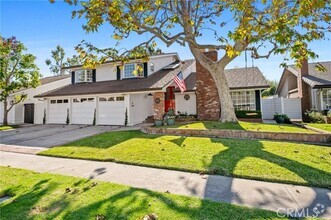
{"x":58,"y":111}
{"x":83,"y":110}
{"x":111,"y":110}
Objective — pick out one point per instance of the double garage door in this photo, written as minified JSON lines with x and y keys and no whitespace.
{"x":107,"y":111}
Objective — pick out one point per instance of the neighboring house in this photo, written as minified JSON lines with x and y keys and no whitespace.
{"x":309,"y":84}
{"x":111,"y":92}
{"x":31,"y":110}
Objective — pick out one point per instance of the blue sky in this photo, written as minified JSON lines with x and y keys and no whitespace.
{"x":41,"y":26}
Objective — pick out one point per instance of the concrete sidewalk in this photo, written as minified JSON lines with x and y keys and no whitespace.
{"x":265,"y":195}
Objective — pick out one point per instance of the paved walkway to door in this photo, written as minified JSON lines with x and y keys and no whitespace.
{"x":265,"y":195}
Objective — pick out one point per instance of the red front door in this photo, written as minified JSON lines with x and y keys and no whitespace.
{"x":169,"y":99}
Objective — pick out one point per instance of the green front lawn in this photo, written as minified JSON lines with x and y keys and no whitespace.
{"x":241,"y":126}
{"x":263,"y":160}
{"x":3,"y":128}
{"x":325,"y":127}
{"x":45,"y":196}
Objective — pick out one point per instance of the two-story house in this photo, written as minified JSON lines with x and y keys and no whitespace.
{"x":112,"y":93}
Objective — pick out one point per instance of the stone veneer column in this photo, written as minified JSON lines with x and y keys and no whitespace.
{"x":158,"y":107}
{"x":304,"y":89}
{"x":208,"y":105}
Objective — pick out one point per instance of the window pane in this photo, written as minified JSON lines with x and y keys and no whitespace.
{"x":53,"y":101}
{"x":80,"y":75}
{"x":128,"y":70}
{"x":121,"y":98}
{"x":90,"y":99}
{"x":75,"y":100}
{"x":243,"y":100}
{"x":65,"y":101}
{"x":89,"y":75}
{"x":111,"y":99}
{"x":83,"y":100}
{"x":101,"y":99}
{"x":140,"y":69}
{"x":59,"y":101}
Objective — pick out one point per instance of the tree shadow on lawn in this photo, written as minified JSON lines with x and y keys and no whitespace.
{"x":226,"y":162}
{"x":112,"y":202}
{"x":135,"y":203}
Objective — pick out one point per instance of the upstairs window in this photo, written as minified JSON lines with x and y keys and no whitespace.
{"x":84,"y":76}
{"x":132,"y":70}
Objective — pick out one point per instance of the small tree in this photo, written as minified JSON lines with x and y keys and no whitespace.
{"x":126,"y":117}
{"x":68,"y":118}
{"x":59,"y":61}
{"x":17,"y":71}
{"x":267,"y":27}
{"x":44,"y":117}
{"x":95,"y":117}
{"x":271,"y":90}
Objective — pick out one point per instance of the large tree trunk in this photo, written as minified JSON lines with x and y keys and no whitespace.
{"x":5,"y":112}
{"x":227,"y":109}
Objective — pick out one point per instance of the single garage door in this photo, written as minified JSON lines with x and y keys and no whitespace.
{"x":83,"y":110}
{"x":111,"y":110}
{"x":58,"y":109}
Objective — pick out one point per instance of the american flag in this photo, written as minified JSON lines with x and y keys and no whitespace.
{"x":179,"y":80}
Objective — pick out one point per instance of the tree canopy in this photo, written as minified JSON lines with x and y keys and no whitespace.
{"x":59,"y":61}
{"x":17,"y":71}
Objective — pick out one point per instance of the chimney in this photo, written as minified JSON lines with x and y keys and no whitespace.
{"x":304,"y":90}
{"x":208,"y":106}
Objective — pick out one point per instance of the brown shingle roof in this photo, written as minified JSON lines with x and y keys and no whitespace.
{"x":239,"y":78}
{"x":316,"y":82}
{"x":155,"y":81}
{"x":50,"y":79}
{"x":245,"y":78}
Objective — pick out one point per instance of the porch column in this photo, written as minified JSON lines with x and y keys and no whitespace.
{"x":158,"y":100}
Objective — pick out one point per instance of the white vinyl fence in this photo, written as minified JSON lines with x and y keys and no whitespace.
{"x":289,"y":106}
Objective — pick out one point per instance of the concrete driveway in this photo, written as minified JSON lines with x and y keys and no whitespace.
{"x":45,"y":136}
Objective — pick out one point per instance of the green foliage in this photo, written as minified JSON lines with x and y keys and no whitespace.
{"x":51,"y":196}
{"x":315,"y":117}
{"x":279,"y":26}
{"x":271,"y":90}
{"x":68,"y":117}
{"x":126,"y":118}
{"x":44,"y":117}
{"x":59,"y":62}
{"x":17,"y":71}
{"x":248,"y":114}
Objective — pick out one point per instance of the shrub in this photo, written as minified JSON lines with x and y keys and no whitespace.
{"x":282,"y":118}
{"x":248,"y":114}
{"x":68,"y":118}
{"x":126,"y":118}
{"x":95,"y":117}
{"x":315,"y":117}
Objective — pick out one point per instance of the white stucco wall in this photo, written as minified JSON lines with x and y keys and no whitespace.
{"x":284,"y":90}
{"x":160,"y":62}
{"x":141,"y":106}
{"x":106,"y":72}
{"x":186,"y":106}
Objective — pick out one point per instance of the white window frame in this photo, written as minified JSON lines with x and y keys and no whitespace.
{"x":140,"y":75}
{"x":87,"y":75}
{"x":243,"y":101}
{"x":326,"y":102}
